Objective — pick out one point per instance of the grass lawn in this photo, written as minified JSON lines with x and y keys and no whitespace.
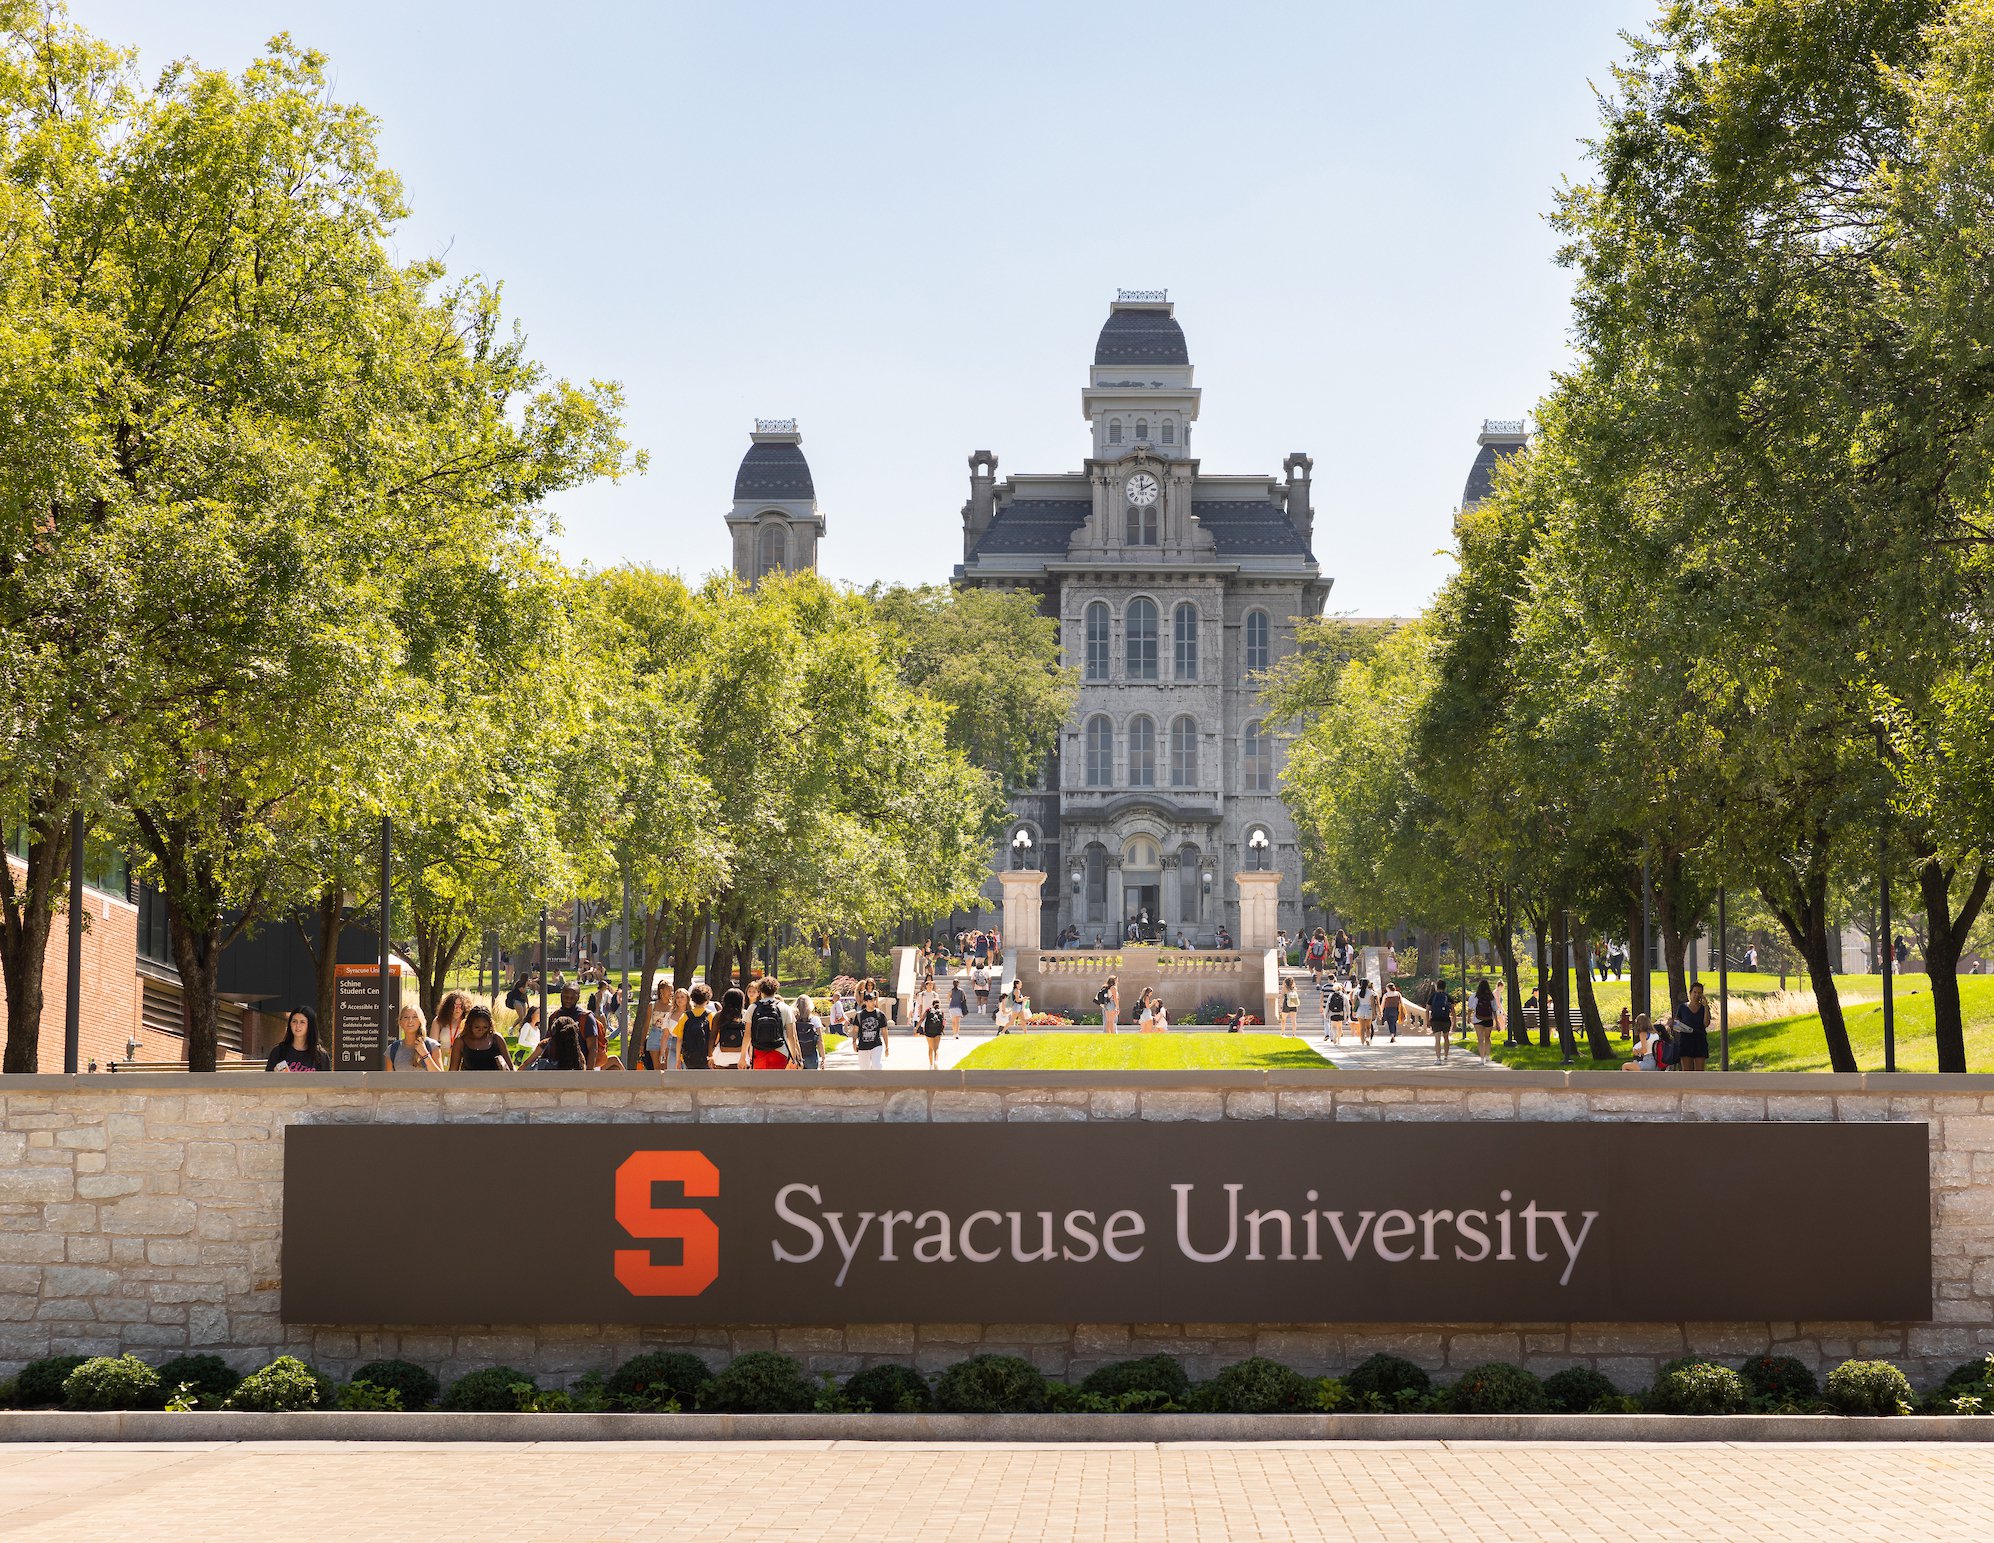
{"x":1059,"y":1050}
{"x":1795,"y":1044}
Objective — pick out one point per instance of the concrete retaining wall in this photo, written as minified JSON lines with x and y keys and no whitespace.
{"x":143,"y":1213}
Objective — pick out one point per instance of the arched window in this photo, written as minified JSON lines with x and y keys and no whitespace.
{"x":1259,"y":756}
{"x":1141,"y":640}
{"x":1139,"y":525}
{"x":775,"y":549}
{"x":1170,"y":431}
{"x":1256,"y":641}
{"x":1097,"y":640}
{"x":1183,"y":752}
{"x":1114,"y":431}
{"x":1142,"y":431}
{"x":1142,"y":752}
{"x":1184,"y":637}
{"x":1100,"y":752}
{"x":1190,"y":884}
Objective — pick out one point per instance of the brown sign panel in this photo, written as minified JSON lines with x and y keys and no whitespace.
{"x":1222,"y":1222}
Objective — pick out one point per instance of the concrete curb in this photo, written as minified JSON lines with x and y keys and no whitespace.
{"x":152,"y":1426}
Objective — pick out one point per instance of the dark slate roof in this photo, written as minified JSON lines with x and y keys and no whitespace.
{"x":1141,"y":336}
{"x":1242,"y":529}
{"x":1481,"y":476}
{"x":772,"y":469}
{"x":1034,"y":527}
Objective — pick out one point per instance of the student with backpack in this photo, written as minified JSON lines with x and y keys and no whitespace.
{"x":1440,"y":1019}
{"x":1333,"y":1009}
{"x":809,"y":1031}
{"x":1291,"y":1004}
{"x":1367,"y":1012}
{"x":730,"y":1030}
{"x":771,"y":1030}
{"x":1485,"y":1017}
{"x":958,"y":1005}
{"x":695,"y":1030}
{"x":1109,"y":1000}
{"x":1388,"y":1008}
{"x":870,"y":1030}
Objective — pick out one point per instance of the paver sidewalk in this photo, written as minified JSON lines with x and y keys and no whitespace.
{"x":1452,"y":1492}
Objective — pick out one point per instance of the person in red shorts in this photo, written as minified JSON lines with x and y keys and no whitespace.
{"x":771,"y":1029}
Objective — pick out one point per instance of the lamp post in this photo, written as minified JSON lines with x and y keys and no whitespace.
{"x":1256,"y":845}
{"x":1021,"y":848}
{"x":1723,"y":986}
{"x":72,"y":1007}
{"x":388,"y":1028}
{"x":1889,"y":953}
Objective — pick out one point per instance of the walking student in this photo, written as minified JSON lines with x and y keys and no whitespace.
{"x":1109,"y":1000}
{"x":1389,"y":1005}
{"x":1291,"y":1004}
{"x":413,"y":1051}
{"x":933,"y":1020}
{"x":479,"y":1047}
{"x":1440,"y":1019}
{"x":298,"y":1050}
{"x":870,"y":1031}
{"x":958,"y":1005}
{"x":695,"y":1030}
{"x":1367,"y":1012}
{"x":1333,"y":1009}
{"x":771,"y":1030}
{"x":809,"y":1034}
{"x":730,"y":1030}
{"x":1485,"y":1017}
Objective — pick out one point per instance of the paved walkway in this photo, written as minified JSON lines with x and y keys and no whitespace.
{"x":799,"y":1492}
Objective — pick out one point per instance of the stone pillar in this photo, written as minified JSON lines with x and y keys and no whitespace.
{"x":1118,"y":921}
{"x":1259,"y":908}
{"x":1022,"y":887}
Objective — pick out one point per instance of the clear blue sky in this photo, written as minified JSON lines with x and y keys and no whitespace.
{"x":902,"y":223}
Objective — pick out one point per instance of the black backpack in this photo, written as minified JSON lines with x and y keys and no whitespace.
{"x":932,"y":1018}
{"x":1336,"y":1004}
{"x":1101,"y":997}
{"x":765,"y":1027}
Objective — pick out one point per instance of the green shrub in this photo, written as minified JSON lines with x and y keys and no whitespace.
{"x":1061,"y":1398}
{"x":416,"y":1387}
{"x":1146,"y":1374}
{"x":1969,"y":1373}
{"x":891,"y":1390}
{"x":1578,"y":1390}
{"x":39,"y":1384}
{"x":657,"y":1379}
{"x":761,"y":1382}
{"x":1868,"y":1387}
{"x":1387,"y":1376}
{"x":1690,"y":1386}
{"x":112,"y":1382}
{"x":490,"y":1391}
{"x":1779,"y":1382}
{"x":206,"y":1377}
{"x":285,"y":1386}
{"x":1257,"y":1386}
{"x":992,"y":1384}
{"x":10,"y":1392}
{"x":1331,"y":1394}
{"x":1497,"y":1388}
{"x":361,"y":1397}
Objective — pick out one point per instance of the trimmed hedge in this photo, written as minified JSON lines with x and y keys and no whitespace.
{"x":992,"y":1384}
{"x":1387,"y":1376}
{"x":761,"y":1382}
{"x":890,"y":1390}
{"x":1868,"y":1387}
{"x":1777,"y":1381}
{"x":1497,"y":1388}
{"x":1256,"y":1386}
{"x":489,"y":1391}
{"x":659,"y":1377}
{"x":1690,"y":1386}
{"x":285,"y":1386}
{"x":1146,"y":1374}
{"x":39,"y":1385}
{"x":416,"y":1387}
{"x":107,"y":1382}
{"x":1577,"y":1389}
{"x":205,"y":1376}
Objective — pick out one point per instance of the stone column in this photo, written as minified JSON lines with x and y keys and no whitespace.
{"x":1259,"y":908}
{"x":1022,"y":889}
{"x":1117,"y":921}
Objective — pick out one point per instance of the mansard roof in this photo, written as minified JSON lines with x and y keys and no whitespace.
{"x":1141,"y":335}
{"x":1044,"y":527}
{"x":773,"y":469}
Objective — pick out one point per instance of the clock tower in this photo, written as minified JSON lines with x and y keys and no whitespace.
{"x":1139,"y":393}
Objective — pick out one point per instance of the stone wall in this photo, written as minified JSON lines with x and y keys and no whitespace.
{"x":143,"y":1213}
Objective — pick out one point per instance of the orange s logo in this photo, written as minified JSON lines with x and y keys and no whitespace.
{"x":637,"y":1215}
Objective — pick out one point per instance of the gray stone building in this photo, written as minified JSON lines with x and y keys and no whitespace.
{"x":775,"y":521}
{"x":1174,"y":587}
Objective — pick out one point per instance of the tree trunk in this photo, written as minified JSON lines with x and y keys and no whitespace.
{"x":1800,"y":901}
{"x":1561,"y":984}
{"x":1540,"y":953}
{"x":1667,"y":908}
{"x":27,"y":917}
{"x":198,"y":958}
{"x":1596,"y":1040}
{"x":1639,"y":969}
{"x":1945,"y":939}
{"x":1502,"y":938}
{"x":331,"y":912}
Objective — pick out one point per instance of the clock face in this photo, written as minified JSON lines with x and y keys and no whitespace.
{"x":1141,"y":489}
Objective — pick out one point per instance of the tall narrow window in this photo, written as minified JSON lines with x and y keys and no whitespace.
{"x":1169,"y":431}
{"x":1142,"y":752}
{"x":1191,"y":886}
{"x":1142,"y":431}
{"x":1100,"y":752}
{"x":1114,"y":431}
{"x":1139,"y":525}
{"x":1259,"y":757}
{"x":775,"y":549}
{"x":1256,"y":641}
{"x":1097,"y":641}
{"x":1184,"y":638}
{"x":1141,"y":640}
{"x":1097,"y":882}
{"x":1183,"y":752}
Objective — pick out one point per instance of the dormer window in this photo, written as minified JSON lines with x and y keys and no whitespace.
{"x":1114,"y":431}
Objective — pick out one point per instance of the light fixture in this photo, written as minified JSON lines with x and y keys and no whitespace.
{"x":1076,"y":876}
{"x":1208,"y":880}
{"x":1256,"y":843}
{"x":1021,"y":846}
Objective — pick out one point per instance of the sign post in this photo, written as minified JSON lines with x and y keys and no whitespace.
{"x":361,"y":1013}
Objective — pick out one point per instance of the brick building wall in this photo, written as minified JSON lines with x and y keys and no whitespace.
{"x":145,"y":1214}
{"x":110,"y":994}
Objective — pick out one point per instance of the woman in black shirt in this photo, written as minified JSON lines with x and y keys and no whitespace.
{"x":1693,"y":1031}
{"x":478,"y":1047}
{"x":298,"y":1050}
